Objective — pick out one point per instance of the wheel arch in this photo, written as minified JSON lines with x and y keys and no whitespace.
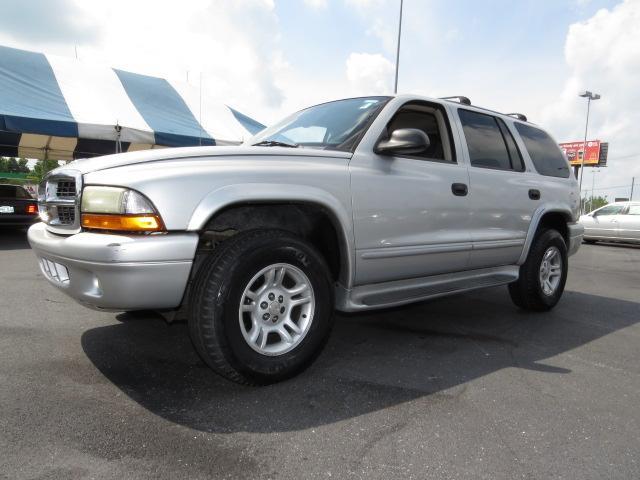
{"x":557,"y":218}
{"x":306,"y":211}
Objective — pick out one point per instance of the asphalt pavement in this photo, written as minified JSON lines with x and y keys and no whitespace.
{"x":461,"y":387}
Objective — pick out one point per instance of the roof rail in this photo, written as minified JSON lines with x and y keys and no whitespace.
{"x":459,"y":99}
{"x":519,"y":116}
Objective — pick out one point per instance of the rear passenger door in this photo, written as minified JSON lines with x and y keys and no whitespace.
{"x":502,"y":195}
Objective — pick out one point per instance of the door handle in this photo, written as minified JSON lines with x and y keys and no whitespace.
{"x":534,"y":194}
{"x":459,"y":189}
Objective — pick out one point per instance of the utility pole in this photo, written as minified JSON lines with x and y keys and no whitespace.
{"x":395,"y":85}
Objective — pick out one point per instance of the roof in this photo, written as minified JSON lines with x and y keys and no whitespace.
{"x":62,"y":108}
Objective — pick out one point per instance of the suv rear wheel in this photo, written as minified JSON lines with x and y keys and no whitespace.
{"x":262,"y":307}
{"x":543,"y":275}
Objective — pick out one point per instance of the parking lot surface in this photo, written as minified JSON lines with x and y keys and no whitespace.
{"x":461,"y":387}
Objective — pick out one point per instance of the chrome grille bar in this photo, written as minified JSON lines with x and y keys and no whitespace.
{"x":59,"y":201}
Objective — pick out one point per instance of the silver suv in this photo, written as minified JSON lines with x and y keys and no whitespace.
{"x":356,"y":204}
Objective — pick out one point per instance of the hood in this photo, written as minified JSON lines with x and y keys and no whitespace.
{"x":88,"y":165}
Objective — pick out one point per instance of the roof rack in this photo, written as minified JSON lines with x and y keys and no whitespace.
{"x":519,"y":116}
{"x":459,"y":99}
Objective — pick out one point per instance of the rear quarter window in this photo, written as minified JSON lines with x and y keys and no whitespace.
{"x":544,"y":152}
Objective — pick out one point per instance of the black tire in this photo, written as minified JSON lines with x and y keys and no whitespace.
{"x":527,"y":292}
{"x":218,"y":287}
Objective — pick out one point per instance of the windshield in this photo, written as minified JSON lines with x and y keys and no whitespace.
{"x":330,"y":126}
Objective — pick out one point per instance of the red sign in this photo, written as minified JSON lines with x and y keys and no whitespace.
{"x":573,"y":151}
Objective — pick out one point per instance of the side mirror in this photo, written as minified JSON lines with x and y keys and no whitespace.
{"x":404,"y":141}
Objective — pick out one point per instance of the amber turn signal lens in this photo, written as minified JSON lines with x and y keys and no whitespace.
{"x":123,"y":223}
{"x":32,"y":209}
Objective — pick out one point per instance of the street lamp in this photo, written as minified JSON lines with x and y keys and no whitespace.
{"x":589,"y":96}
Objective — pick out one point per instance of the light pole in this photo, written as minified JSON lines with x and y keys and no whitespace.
{"x":589,"y":96}
{"x":395,"y":85}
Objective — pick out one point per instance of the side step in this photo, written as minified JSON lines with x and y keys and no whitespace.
{"x":401,"y":292}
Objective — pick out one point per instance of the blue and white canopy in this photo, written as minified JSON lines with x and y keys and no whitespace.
{"x":63,"y":109}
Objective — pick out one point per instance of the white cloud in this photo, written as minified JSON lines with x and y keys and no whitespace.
{"x":603,"y":55}
{"x":369,"y":74}
{"x":234,"y":43}
{"x":317,"y":4}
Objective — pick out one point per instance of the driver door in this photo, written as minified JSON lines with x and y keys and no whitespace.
{"x":410,"y":211}
{"x":604,"y":221}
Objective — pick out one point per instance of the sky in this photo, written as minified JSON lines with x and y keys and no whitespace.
{"x":269,"y":58}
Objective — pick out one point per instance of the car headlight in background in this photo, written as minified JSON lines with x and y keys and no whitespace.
{"x":118,"y":209}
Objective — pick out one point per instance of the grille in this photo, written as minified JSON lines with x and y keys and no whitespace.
{"x":66,"y":189}
{"x":66,"y":215}
{"x":57,"y":197}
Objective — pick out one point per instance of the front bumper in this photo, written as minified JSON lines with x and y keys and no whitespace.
{"x":116,"y":272}
{"x":576,"y":233}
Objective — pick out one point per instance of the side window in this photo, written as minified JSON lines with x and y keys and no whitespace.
{"x":634,"y":210}
{"x":610,"y":210}
{"x":486,"y":141}
{"x":544,"y":151}
{"x":432,"y":121}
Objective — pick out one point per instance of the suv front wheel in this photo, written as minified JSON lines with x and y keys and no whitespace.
{"x":261,"y":308}
{"x":543,"y":275}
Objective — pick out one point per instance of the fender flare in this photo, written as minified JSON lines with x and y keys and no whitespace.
{"x":229,"y":195}
{"x":535,"y":222}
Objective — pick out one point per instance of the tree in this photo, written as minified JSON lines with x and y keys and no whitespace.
{"x":22,"y":165}
{"x":590,"y":204}
{"x":42,"y":167}
{"x":12,"y":165}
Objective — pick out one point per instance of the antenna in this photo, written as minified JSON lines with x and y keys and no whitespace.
{"x":459,"y":99}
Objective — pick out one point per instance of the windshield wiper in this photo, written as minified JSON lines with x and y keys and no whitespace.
{"x":274,"y":143}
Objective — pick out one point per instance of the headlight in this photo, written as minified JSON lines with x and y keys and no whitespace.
{"x":120,"y":209}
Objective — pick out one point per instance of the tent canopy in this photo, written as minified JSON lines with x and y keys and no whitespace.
{"x":63,"y":109}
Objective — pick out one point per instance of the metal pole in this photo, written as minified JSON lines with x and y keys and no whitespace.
{"x":633,"y":181}
{"x":584,"y":152}
{"x":395,"y":86}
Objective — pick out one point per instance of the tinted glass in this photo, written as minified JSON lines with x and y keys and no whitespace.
{"x":512,"y":148}
{"x":329,"y":126}
{"x":544,"y":151}
{"x":13,"y":191}
{"x":610,"y":210}
{"x":485,"y":141}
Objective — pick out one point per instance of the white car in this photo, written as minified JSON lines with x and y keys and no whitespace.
{"x":616,"y":222}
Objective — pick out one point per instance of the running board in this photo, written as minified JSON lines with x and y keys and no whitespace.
{"x":400,"y":292}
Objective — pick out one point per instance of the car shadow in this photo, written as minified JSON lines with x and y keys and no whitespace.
{"x":372,"y":361}
{"x":13,"y":239}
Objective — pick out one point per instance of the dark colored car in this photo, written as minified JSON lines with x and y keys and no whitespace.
{"x":17,"y":207}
